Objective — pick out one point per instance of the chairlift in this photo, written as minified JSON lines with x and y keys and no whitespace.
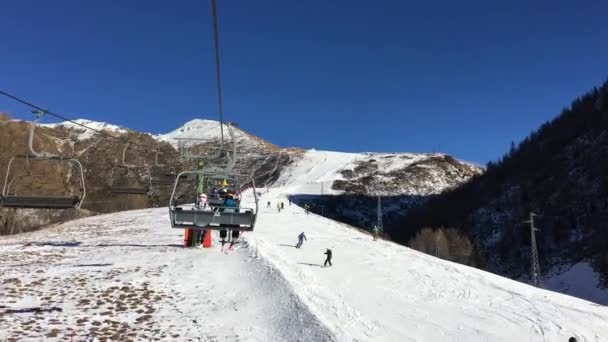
{"x":216,"y":215}
{"x":10,"y":199}
{"x":159,"y":177}
{"x":123,"y":189}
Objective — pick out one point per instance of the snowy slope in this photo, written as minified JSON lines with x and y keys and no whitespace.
{"x":202,"y":130}
{"x":125,"y":277}
{"x":380,"y":291}
{"x":207,"y":131}
{"x":316,"y":172}
{"x":579,"y":280}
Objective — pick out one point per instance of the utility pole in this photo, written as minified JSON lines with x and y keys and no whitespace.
{"x":535,"y":275}
{"x":437,"y":246}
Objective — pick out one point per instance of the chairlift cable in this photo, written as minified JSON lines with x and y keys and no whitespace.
{"x":218,"y":71}
{"x":59,"y":116}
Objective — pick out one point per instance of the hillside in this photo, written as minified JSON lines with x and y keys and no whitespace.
{"x":344,"y":186}
{"x":125,"y":277}
{"x":405,"y":176}
{"x":101,"y":158}
{"x":559,"y":173}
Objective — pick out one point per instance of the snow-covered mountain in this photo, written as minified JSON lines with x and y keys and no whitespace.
{"x":81,"y":133}
{"x":124,"y":276}
{"x":206,"y":131}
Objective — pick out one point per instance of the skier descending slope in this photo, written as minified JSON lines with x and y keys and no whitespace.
{"x":328,"y":259}
{"x":301,"y":239}
{"x":376,"y":232}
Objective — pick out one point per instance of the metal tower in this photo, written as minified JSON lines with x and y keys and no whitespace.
{"x":535,"y":275}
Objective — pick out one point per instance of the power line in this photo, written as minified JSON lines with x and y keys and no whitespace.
{"x":59,"y":116}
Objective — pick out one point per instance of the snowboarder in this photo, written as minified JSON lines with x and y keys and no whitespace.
{"x":328,"y":259}
{"x":301,"y":239}
{"x":376,"y":232}
{"x":268,"y":204}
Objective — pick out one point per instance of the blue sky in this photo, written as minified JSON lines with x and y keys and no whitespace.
{"x":461,"y":77}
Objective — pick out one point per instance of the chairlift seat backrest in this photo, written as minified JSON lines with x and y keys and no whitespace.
{"x":129,"y":190}
{"x":39,"y":202}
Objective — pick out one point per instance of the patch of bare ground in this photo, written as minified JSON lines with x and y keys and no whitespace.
{"x":78,"y":307}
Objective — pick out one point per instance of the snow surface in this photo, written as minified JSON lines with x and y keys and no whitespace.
{"x":579,"y":280}
{"x":316,"y":172}
{"x":126,"y":275}
{"x":205,"y":131}
{"x":201,"y":129}
{"x":381,"y":291}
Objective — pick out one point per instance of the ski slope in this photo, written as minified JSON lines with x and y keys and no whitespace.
{"x":124,"y":276}
{"x":381,"y":291}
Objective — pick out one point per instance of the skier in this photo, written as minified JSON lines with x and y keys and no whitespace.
{"x":289,"y":201}
{"x":306,"y":208}
{"x":329,"y":255}
{"x":301,"y":239}
{"x":268,"y":204}
{"x":282,"y":205}
{"x":279,"y":206}
{"x":376,"y":232}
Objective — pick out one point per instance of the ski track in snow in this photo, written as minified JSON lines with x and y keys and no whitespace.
{"x":124,"y":276}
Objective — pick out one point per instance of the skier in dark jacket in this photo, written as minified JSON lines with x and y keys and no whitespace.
{"x":329,"y":255}
{"x":301,"y":239}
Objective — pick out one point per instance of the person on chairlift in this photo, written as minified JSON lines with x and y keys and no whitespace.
{"x":230,"y":204}
{"x":202,"y":201}
{"x":215,"y":193}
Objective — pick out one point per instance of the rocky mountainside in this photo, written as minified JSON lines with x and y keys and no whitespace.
{"x":345,"y":186}
{"x":560,"y":173}
{"x":101,"y":158}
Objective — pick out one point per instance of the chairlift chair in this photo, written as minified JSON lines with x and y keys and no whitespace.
{"x":159,"y":178}
{"x":119,"y":189}
{"x":216,"y":216}
{"x":10,"y":199}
